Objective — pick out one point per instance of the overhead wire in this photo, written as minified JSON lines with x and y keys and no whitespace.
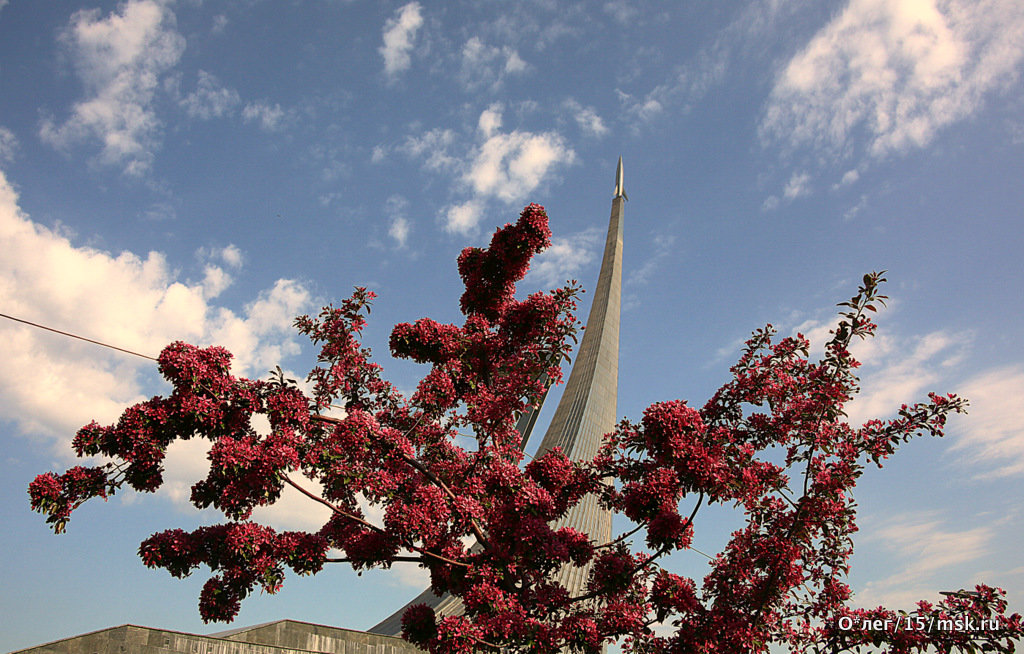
{"x":81,"y":338}
{"x":95,"y":342}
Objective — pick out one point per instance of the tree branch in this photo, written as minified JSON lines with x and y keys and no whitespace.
{"x":370,"y":525}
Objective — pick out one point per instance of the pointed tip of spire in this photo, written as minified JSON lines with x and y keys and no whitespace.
{"x":620,"y":188}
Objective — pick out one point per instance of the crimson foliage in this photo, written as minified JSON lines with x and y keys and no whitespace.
{"x":780,"y":579}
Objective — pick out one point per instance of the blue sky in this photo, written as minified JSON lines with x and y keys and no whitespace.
{"x":206,"y":171}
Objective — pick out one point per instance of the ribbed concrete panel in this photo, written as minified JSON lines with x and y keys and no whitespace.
{"x":281,"y":637}
{"x":586,"y":412}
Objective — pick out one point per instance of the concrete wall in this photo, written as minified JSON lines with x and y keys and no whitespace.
{"x":321,"y":638}
{"x":283,"y":637}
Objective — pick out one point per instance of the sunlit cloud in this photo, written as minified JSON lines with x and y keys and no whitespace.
{"x":587,"y":118}
{"x":51,"y":385}
{"x":399,"y":226}
{"x":210,"y":99}
{"x":399,"y":35}
{"x":269,"y":117}
{"x":895,"y":72}
{"x":932,"y":552}
{"x":495,"y":165}
{"x":567,"y":257}
{"x":992,"y":435}
{"x":119,"y":60}
{"x":488,"y":65}
{"x":8,"y":145}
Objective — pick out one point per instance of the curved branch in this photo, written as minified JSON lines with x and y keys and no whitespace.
{"x":653,"y":557}
{"x":434,"y":479}
{"x":403,"y":559}
{"x":369,"y":525}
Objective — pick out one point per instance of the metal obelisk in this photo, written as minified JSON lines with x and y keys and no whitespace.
{"x":585,"y":413}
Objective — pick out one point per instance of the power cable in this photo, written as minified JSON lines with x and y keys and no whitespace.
{"x":81,"y":338}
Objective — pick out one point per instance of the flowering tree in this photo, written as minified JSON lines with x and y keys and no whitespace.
{"x":780,"y":579}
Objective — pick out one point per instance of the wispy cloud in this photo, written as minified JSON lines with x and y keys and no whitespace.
{"x":434,"y":146}
{"x":119,"y":60}
{"x":992,"y":435}
{"x":929,"y":546}
{"x":269,"y":117}
{"x":210,"y":99}
{"x":662,"y":248}
{"x":220,"y":23}
{"x":8,"y":145}
{"x":620,"y":10}
{"x":399,"y":226}
{"x":896,"y":72}
{"x":586,"y":117}
{"x":488,"y":65}
{"x":399,"y":34}
{"x":894,"y":368}
{"x":565,"y":259}
{"x":897,"y":369}
{"x":492,"y":165}
{"x":798,"y":186}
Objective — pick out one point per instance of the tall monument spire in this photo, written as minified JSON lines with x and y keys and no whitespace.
{"x":585,"y":413}
{"x":587,"y":409}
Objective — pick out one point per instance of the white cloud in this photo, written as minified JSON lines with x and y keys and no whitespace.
{"x":8,"y":145}
{"x":433,"y":146}
{"x":463,"y":218}
{"x":929,"y":548}
{"x":510,"y":166}
{"x":663,"y":248}
{"x":52,"y":385}
{"x":797,"y":187}
{"x":211,"y":99}
{"x":399,"y":227}
{"x":896,"y":71}
{"x":565,"y":259}
{"x":232,"y":256}
{"x":503,"y":166}
{"x":897,"y":370}
{"x":159,"y":211}
{"x":220,"y":22}
{"x":586,"y":118}
{"x":484,"y":64}
{"x":849,"y":177}
{"x":399,"y":34}
{"x":894,"y":370}
{"x":268,"y":117}
{"x":620,"y":10}
{"x":992,"y":434}
{"x":514,"y":63}
{"x":119,"y":60}
{"x":852,"y":212}
{"x":399,"y":230}
{"x":490,"y":121}
{"x":646,"y":109}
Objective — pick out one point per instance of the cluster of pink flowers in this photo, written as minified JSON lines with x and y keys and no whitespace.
{"x":243,"y":554}
{"x":779,"y":579}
